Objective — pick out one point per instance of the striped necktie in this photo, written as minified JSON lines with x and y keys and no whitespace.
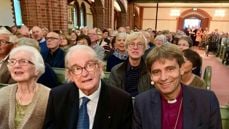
{"x":83,"y":119}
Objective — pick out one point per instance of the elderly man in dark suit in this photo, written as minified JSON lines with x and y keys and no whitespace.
{"x":104,"y":107}
{"x":172,"y":105}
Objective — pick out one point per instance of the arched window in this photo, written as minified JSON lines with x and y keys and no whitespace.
{"x":17,"y":12}
{"x":83,"y":15}
{"x":74,"y":14}
{"x":77,"y":15}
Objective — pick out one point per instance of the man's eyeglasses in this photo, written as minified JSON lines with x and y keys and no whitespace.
{"x":139,"y":45}
{"x":22,"y":62}
{"x":77,"y":70}
{"x":2,"y":42}
{"x":51,"y":38}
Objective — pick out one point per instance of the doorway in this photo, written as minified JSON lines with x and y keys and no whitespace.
{"x":192,"y":22}
{"x":192,"y":17}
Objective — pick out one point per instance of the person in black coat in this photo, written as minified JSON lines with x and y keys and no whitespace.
{"x":108,"y":107}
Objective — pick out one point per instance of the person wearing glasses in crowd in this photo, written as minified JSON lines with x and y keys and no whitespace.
{"x":120,"y":54}
{"x":52,"y":80}
{"x":131,"y":75}
{"x":94,"y":43}
{"x":55,"y":55}
{"x":172,"y":105}
{"x":107,"y":107}
{"x":25,"y":102}
{"x":185,"y":43}
{"x":6,"y":44}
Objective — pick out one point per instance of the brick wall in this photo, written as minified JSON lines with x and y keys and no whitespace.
{"x":53,"y":14}
{"x":49,"y":13}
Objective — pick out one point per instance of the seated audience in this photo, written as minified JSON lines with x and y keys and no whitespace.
{"x":87,"y":101}
{"x":38,"y":35}
{"x":48,"y":78}
{"x":172,"y":105}
{"x":54,"y":56}
{"x":45,"y":31}
{"x":131,"y":75}
{"x":73,"y":38}
{"x":104,"y":40}
{"x":192,"y":60}
{"x":23,"y":31}
{"x":119,"y":55}
{"x":159,"y":40}
{"x":24,"y":104}
{"x":84,"y":40}
{"x":64,"y":44}
{"x":184,"y":43}
{"x":94,"y":43}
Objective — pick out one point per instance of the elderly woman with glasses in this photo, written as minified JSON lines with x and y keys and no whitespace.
{"x":25,"y":102}
{"x":120,"y":54}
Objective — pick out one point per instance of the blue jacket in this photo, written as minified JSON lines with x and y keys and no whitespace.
{"x":56,"y":59}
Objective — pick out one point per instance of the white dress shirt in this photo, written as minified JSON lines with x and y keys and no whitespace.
{"x":92,"y":104}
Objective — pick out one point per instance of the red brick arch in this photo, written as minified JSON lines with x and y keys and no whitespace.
{"x":199,"y":13}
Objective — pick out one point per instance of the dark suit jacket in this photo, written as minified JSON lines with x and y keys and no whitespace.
{"x":114,"y":110}
{"x":200,"y":110}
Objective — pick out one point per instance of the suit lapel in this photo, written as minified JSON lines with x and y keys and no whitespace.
{"x":103,"y":111}
{"x":12,"y":106}
{"x":188,"y":109}
{"x":156,"y":110}
{"x":74,"y":107}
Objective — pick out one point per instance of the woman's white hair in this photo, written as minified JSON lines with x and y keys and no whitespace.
{"x":35,"y":55}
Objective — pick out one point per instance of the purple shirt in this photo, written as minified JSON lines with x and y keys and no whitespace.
{"x":172,"y":113}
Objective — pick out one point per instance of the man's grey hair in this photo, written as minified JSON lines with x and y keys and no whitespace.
{"x":82,"y":48}
{"x":35,"y":56}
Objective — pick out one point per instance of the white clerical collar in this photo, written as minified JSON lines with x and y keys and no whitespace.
{"x":172,"y":101}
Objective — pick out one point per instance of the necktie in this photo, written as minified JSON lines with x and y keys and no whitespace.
{"x":83,"y":120}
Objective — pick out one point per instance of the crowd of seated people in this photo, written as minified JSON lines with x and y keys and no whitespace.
{"x":124,"y":53}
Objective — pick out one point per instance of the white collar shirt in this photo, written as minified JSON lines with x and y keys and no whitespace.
{"x":92,"y":104}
